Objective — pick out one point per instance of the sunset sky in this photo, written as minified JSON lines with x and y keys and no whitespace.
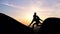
{"x":23,"y":10}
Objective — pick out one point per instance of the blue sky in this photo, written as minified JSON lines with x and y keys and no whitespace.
{"x":22,"y":10}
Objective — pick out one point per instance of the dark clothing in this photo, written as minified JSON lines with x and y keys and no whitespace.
{"x":36,"y":19}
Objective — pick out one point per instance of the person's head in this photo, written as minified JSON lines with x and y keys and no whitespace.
{"x":34,"y":13}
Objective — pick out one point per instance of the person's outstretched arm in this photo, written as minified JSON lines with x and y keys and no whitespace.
{"x":41,"y":19}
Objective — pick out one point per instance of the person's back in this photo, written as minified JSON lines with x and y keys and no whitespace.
{"x":38,"y":19}
{"x":34,"y":17}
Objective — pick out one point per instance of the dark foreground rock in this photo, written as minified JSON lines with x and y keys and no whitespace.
{"x":11,"y":26}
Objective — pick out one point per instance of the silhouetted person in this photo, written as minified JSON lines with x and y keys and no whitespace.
{"x":50,"y":26}
{"x":36,"y":19}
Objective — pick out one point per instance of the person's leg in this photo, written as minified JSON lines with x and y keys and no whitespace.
{"x":33,"y":25}
{"x":37,"y":24}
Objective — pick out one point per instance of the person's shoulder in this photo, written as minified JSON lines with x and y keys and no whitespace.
{"x":37,"y":16}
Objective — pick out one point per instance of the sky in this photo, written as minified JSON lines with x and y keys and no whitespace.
{"x":23,"y":10}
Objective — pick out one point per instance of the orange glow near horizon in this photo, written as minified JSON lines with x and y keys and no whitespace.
{"x":25,"y":15}
{"x":26,"y":20}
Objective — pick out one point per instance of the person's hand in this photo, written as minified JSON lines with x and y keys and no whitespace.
{"x":41,"y":20}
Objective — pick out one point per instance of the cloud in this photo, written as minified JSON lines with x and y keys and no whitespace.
{"x":43,"y":7}
{"x":14,"y":6}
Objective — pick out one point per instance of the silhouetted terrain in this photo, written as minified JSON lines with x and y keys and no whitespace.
{"x":50,"y":26}
{"x":10,"y":25}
